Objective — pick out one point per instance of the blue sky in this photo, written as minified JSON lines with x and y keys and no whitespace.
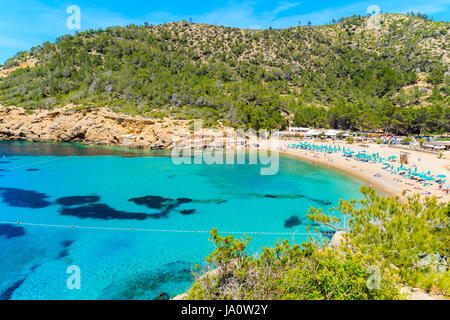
{"x":27,"y":23}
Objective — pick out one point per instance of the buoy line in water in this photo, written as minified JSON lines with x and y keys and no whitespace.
{"x":152,"y":230}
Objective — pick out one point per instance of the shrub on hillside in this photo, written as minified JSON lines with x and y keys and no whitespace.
{"x":286,"y":272}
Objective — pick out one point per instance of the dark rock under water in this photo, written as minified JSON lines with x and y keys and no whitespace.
{"x":102,"y":211}
{"x":142,"y":286}
{"x":7,"y":294}
{"x":162,"y":296}
{"x":67,"y":243}
{"x":63,"y":253}
{"x":290,"y":196}
{"x":77,"y":200}
{"x":166,"y":205}
{"x":11,"y":231}
{"x":156,"y":202}
{"x":292,"y":222}
{"x":24,"y":198}
{"x":187,"y":212}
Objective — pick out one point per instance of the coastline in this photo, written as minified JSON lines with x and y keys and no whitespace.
{"x":373,"y":174}
{"x":364,"y":172}
{"x":380,"y":187}
{"x":102,"y":127}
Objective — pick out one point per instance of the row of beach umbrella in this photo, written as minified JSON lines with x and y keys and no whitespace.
{"x":315,"y":147}
{"x":375,"y":157}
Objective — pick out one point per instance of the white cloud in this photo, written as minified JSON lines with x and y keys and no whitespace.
{"x":284,"y":6}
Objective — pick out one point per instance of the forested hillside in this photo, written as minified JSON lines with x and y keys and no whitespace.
{"x":343,"y":75}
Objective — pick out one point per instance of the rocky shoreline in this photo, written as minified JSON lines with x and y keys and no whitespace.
{"x":87,"y":126}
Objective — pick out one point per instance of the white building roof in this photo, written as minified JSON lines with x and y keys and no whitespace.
{"x":332,"y":133}
{"x":312,"y":132}
{"x":298,"y":129}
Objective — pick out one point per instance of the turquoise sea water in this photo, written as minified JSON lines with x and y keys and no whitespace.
{"x":104,"y":188}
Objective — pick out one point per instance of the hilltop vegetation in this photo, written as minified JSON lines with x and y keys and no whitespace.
{"x":344,"y":75}
{"x":386,"y":244}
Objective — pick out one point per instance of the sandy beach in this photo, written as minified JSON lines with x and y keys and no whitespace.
{"x":373,"y":173}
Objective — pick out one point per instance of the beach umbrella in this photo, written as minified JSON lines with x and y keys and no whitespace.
{"x":442,"y":176}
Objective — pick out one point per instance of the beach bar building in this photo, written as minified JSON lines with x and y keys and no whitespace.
{"x":313,"y":133}
{"x":298,"y":129}
{"x":294,"y":132}
{"x":332,"y":133}
{"x":438,"y":145}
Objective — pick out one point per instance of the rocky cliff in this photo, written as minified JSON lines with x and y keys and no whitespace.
{"x":89,"y":126}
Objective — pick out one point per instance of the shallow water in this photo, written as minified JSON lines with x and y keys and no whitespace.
{"x":105,"y":188}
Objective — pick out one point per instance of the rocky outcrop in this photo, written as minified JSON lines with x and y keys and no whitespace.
{"x":89,"y":126}
{"x":204,"y":277}
{"x":338,"y":239}
{"x":411,"y":293}
{"x":180,"y":297}
{"x":29,"y":63}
